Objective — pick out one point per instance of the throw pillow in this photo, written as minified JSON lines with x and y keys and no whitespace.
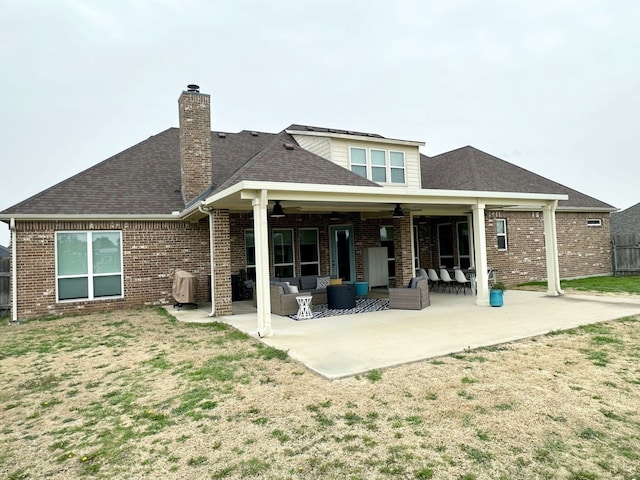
{"x":291,"y":289}
{"x":335,"y":281}
{"x":322,"y":282}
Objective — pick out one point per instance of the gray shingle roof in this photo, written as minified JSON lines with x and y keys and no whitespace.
{"x":276,"y":163}
{"x":145,"y":178}
{"x":468,"y":168}
{"x":627,"y":221}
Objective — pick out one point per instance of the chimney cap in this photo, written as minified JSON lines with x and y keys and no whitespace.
{"x":193,"y":88}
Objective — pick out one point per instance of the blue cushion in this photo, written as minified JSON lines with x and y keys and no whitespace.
{"x":308,"y":282}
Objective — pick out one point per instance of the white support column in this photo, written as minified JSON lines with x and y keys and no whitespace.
{"x":480,"y":254}
{"x":551,"y":249}
{"x":261,"y":239}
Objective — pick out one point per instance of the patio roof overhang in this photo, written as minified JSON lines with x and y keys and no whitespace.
{"x":369,"y":201}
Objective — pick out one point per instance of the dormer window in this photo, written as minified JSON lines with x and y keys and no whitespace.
{"x":378,"y":165}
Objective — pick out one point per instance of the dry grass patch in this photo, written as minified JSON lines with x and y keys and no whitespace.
{"x":136,"y":394}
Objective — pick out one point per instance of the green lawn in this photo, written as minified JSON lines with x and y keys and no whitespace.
{"x":137,"y":394}
{"x":624,"y":284}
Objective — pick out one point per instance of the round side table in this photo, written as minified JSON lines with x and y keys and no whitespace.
{"x":304,"y":306}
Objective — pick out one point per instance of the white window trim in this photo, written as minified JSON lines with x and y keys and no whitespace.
{"x":458,"y":243}
{"x":317,"y":262}
{"x":594,"y":222}
{"x":403,"y":168}
{"x":369,"y":167}
{"x":293,"y":250}
{"x":440,"y":256}
{"x":247,"y":265}
{"x":498,"y":235}
{"x":89,"y":275}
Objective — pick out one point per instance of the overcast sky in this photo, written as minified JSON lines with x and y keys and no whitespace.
{"x":550,"y":85}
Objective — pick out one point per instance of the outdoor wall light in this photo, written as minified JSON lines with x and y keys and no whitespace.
{"x":397,"y":212}
{"x":277,"y":211}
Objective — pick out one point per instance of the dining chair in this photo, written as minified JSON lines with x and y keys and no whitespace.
{"x":445,"y":278}
{"x":434,"y":278}
{"x":463,"y":282}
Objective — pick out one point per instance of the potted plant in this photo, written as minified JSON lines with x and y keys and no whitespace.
{"x":496,"y":294}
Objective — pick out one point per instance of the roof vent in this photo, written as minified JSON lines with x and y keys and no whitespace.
{"x":254,"y":134}
{"x":193,"y":88}
{"x":222,"y":135}
{"x":288,"y":146}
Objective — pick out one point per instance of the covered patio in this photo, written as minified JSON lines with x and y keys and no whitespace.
{"x":342,"y":346}
{"x":298,"y":203}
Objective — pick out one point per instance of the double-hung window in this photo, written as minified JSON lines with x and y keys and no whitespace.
{"x":89,"y":265}
{"x":396,"y":160}
{"x":283,"y":261}
{"x":379,"y":166}
{"x":309,"y":254}
{"x":359,"y":161}
{"x":501,"y":229}
{"x":250,"y":253}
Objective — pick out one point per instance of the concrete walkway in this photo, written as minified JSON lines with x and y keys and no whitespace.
{"x":346,"y":345}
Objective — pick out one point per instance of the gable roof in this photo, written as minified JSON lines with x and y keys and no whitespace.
{"x":145,"y":178}
{"x":468,"y":168}
{"x":283,"y":160}
{"x":627,"y":221}
{"x":4,"y":252}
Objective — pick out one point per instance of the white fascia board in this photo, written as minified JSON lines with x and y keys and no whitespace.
{"x":360,"y":138}
{"x":316,"y":192}
{"x":87,"y":216}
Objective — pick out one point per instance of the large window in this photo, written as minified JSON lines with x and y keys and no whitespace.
{"x":445,"y":244}
{"x":309,"y":255}
{"x":381,"y":166}
{"x":464,"y":259}
{"x":386,"y":240}
{"x":88,"y":265}
{"x":283,"y":261}
{"x":501,"y":228}
{"x":250,"y":253}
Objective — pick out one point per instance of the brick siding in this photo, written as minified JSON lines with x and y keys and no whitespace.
{"x":195,"y":143}
{"x":150,"y":251}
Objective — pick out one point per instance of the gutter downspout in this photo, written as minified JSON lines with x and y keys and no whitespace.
{"x":207,"y":210}
{"x":14,"y":271}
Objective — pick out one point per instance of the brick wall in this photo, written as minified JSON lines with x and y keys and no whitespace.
{"x":582,"y":250}
{"x":150,"y":251}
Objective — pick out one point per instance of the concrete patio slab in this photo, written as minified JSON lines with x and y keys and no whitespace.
{"x":346,"y":345}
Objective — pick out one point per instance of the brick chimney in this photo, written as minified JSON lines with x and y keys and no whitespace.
{"x":195,"y":142}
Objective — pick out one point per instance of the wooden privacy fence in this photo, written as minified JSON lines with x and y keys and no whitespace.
{"x":5,"y":303}
{"x":626,"y":254}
